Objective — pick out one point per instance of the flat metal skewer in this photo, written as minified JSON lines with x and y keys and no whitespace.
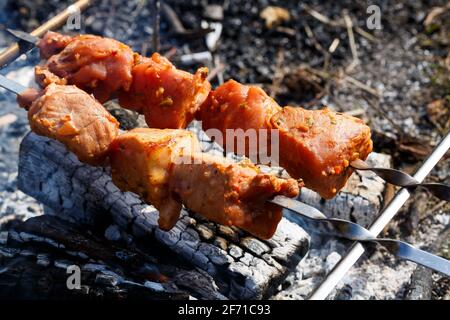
{"x":357,"y":249}
{"x":14,"y":51}
{"x":316,"y":221}
{"x":402,"y":179}
{"x":11,"y":85}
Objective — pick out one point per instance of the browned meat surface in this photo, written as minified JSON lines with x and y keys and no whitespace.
{"x":315,"y":145}
{"x":26,"y":98}
{"x":141,"y":160}
{"x":232,"y":194}
{"x":237,"y":106}
{"x":98,"y":65}
{"x":73,"y":117}
{"x":318,"y":146}
{"x":52,"y":43}
{"x":166,"y":168}
{"x":167,"y":96}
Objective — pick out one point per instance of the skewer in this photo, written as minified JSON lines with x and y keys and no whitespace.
{"x":392,"y":176}
{"x":352,"y":256}
{"x":11,"y":86}
{"x":317,"y":221}
{"x":402,"y":179}
{"x":14,"y":51}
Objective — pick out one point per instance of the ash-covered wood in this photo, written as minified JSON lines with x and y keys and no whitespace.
{"x":243,"y":267}
{"x":35,"y":256}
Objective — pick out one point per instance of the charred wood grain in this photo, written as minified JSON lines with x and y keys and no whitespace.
{"x":35,"y":255}
{"x":241,"y":266}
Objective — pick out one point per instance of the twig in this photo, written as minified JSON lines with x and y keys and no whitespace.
{"x":279,"y":74}
{"x":435,"y":12}
{"x":365,"y":34}
{"x":438,"y":206}
{"x":334,"y":45}
{"x":310,"y":35}
{"x":361,"y":85}
{"x":351,"y":39}
{"x":156,"y":24}
{"x":216,"y":71}
{"x":338,"y":23}
{"x":321,"y":17}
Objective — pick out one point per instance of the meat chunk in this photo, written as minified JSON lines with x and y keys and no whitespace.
{"x":231,"y":194}
{"x":73,"y":117}
{"x":166,"y":168}
{"x":141,"y":160}
{"x":237,"y":106}
{"x":167,"y":96}
{"x":52,"y":43}
{"x":318,"y":145}
{"x":27,"y":97}
{"x":98,"y":65}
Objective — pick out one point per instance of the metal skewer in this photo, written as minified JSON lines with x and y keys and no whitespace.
{"x":393,"y":176}
{"x":357,"y":249}
{"x":402,"y":179}
{"x":316,"y":221}
{"x":14,"y":51}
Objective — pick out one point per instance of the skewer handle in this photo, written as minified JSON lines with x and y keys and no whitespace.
{"x":14,"y":51}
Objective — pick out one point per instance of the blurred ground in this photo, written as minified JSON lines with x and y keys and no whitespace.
{"x":400,"y":86}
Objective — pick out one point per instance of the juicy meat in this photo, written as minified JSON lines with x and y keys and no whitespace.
{"x":318,"y":146}
{"x":232,"y":194}
{"x":315,"y":146}
{"x":52,"y":43}
{"x":73,"y":117}
{"x":237,"y":106}
{"x":167,"y":96}
{"x":166,"y":168}
{"x":141,"y":160}
{"x":98,"y":65}
{"x":27,"y":97}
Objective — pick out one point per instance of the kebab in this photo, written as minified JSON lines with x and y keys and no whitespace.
{"x":321,"y":147}
{"x":244,"y":202}
{"x":316,"y":146}
{"x":165,"y":167}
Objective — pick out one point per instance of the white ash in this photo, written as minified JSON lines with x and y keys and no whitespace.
{"x":14,"y":204}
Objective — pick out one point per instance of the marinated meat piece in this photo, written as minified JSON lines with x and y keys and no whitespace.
{"x":27,"y":97}
{"x":168,"y":97}
{"x":98,"y":65}
{"x":52,"y":43}
{"x":73,"y":117}
{"x":237,"y":106}
{"x":166,"y":168}
{"x":44,"y":77}
{"x":318,"y":146}
{"x":141,"y":160}
{"x":232,"y":194}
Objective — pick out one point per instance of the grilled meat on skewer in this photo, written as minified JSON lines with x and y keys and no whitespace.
{"x":101,"y":66}
{"x":73,"y":117}
{"x":315,"y":146}
{"x":166,"y":168}
{"x":167,"y":96}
